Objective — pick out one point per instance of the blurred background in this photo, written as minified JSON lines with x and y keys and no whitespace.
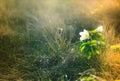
{"x":39,"y":39}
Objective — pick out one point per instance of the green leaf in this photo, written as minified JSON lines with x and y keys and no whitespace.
{"x":83,"y":44}
{"x":103,"y":43}
{"x":89,"y":54}
{"x":100,"y":34}
{"x":93,"y":41}
{"x":93,"y":45}
{"x":97,"y":51}
{"x":82,"y":48}
{"x":50,"y":79}
{"x":89,"y":79}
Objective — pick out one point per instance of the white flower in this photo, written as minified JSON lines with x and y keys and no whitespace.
{"x":100,"y":28}
{"x":84,"y":35}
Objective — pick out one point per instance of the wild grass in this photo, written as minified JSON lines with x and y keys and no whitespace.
{"x":41,"y":43}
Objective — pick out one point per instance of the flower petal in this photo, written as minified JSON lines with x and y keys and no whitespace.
{"x":84,"y":35}
{"x":100,"y":28}
{"x":81,"y":33}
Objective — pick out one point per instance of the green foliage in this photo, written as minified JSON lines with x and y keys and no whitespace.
{"x":86,"y":79}
{"x":93,"y":44}
{"x":37,"y":50}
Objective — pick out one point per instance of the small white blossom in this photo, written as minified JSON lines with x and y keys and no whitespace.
{"x":84,"y":35}
{"x":100,"y":28}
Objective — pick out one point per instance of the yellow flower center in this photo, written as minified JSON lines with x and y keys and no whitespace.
{"x":85,"y":35}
